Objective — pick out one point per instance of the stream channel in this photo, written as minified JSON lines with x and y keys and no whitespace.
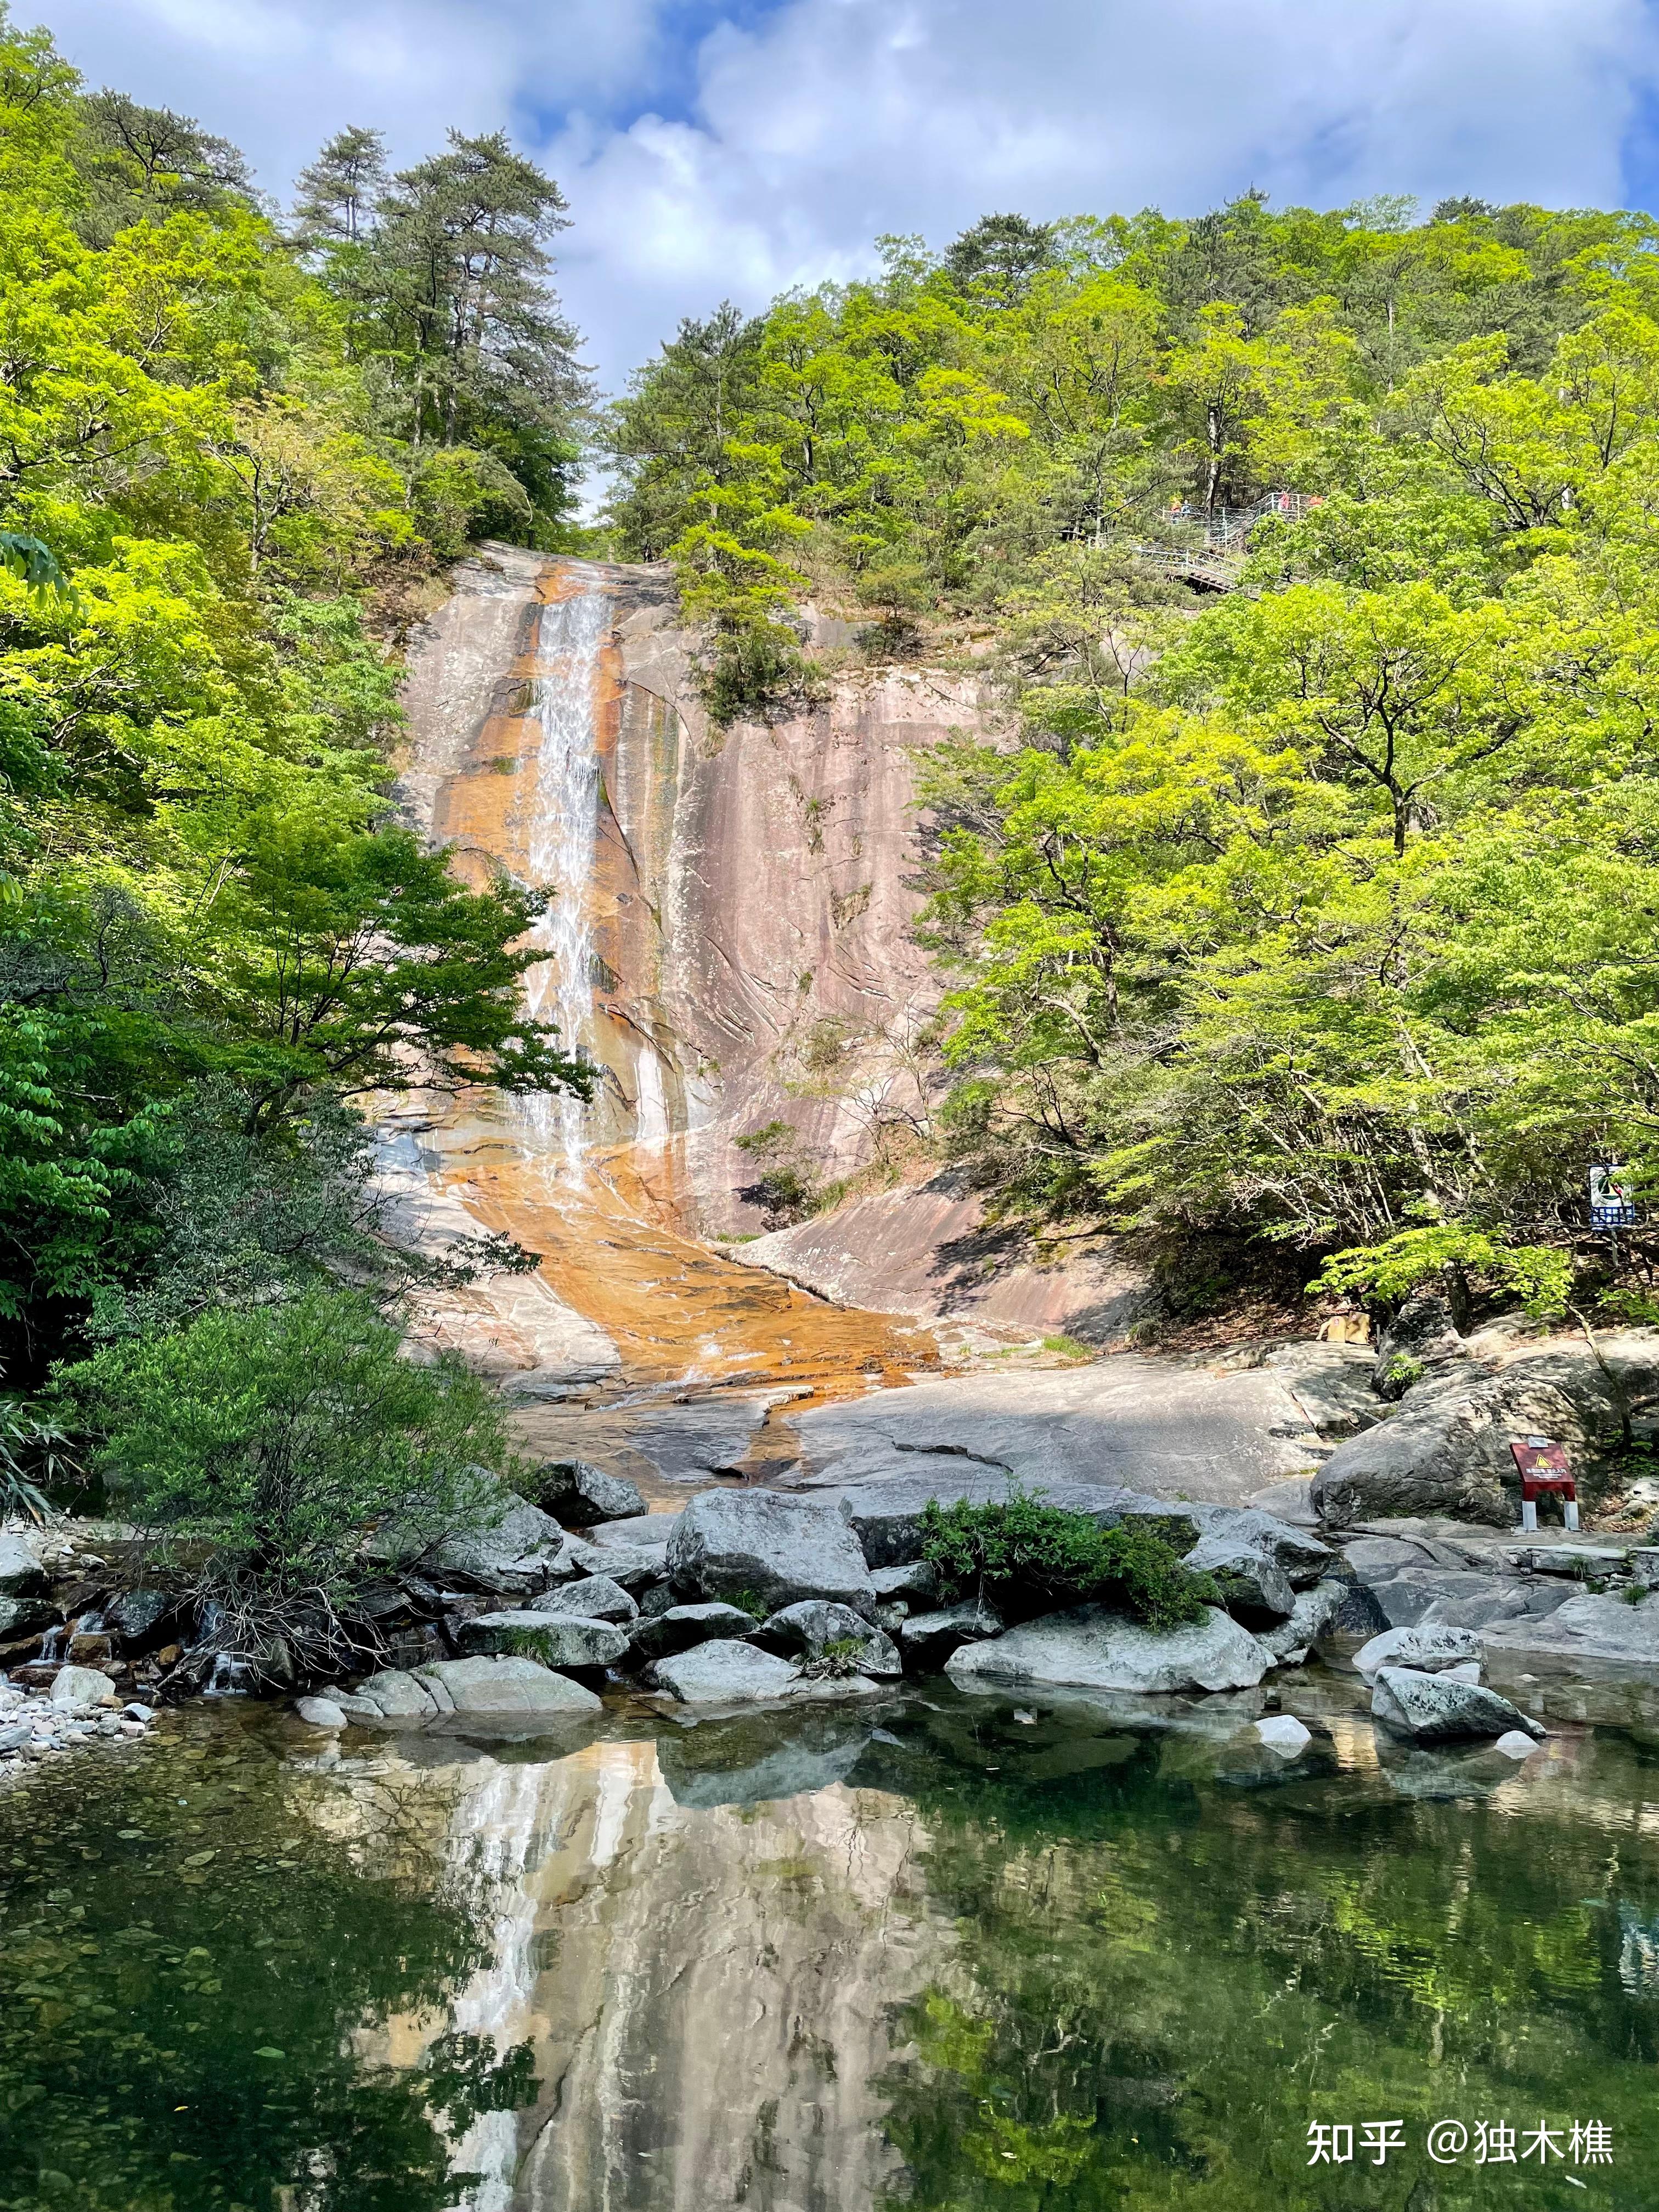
{"x":931,"y":1952}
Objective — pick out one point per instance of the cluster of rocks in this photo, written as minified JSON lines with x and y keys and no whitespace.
{"x":82,"y":1658}
{"x":1425,"y":1684}
{"x":758,"y":1594}
{"x":82,"y":1705}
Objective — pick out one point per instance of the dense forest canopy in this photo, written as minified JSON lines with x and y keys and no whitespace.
{"x":1311,"y":898}
{"x":234,"y":456}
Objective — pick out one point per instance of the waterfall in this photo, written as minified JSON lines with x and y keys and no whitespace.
{"x":564,"y":698}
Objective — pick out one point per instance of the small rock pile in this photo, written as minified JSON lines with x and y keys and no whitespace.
{"x":82,"y":1705}
{"x":1426,"y":1685}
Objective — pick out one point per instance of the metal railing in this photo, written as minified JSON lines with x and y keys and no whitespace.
{"x":1219,"y":559}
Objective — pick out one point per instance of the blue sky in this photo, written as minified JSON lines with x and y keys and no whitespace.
{"x":736,"y":147}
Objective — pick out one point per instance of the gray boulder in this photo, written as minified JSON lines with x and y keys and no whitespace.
{"x":914,"y":1578}
{"x":681,"y":1626}
{"x":812,"y":1624}
{"x":595,"y":1597}
{"x":1517,"y":1744}
{"x":927,"y":1639}
{"x":22,"y":1574}
{"x":503,"y":1688}
{"x":436,"y":1695}
{"x":1285,"y":1733}
{"x":1422,"y":1333}
{"x":1460,"y":1598}
{"x":1300,"y":1556}
{"x":775,"y":1548}
{"x":635,"y":1566}
{"x":1093,"y":1649}
{"x":522,"y":1552}
{"x":725,"y":1672}
{"x":1446,"y":1451}
{"x":1253,"y":1588}
{"x":139,"y":1616}
{"x":1428,"y":1651}
{"x":390,"y":1695}
{"x":1313,"y":1616}
{"x":27,"y":1616}
{"x":1502,"y":1605}
{"x":80,"y":1689}
{"x":577,"y":1493}
{"x":1440,"y":1708}
{"x":320,"y":1713}
{"x":553,"y":1639}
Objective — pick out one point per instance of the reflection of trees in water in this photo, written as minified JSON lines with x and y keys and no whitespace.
{"x":1170,"y":1977}
{"x":184,"y":1986}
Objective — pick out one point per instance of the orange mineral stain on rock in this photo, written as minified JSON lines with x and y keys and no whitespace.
{"x":532,"y":753}
{"x":678,"y":1311}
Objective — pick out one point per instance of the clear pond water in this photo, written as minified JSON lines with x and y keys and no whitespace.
{"x":929,"y":1952}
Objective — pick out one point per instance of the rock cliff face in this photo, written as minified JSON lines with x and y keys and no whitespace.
{"x":729,"y":938}
{"x":739,"y":951}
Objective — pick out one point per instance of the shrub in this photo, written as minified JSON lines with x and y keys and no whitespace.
{"x":1402,"y":1370}
{"x":839,"y":1658}
{"x":34,"y":1451}
{"x":256,"y":1451}
{"x":1025,"y":1555}
{"x":535,"y":1643}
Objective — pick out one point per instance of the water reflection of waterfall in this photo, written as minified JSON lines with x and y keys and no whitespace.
{"x":564,"y":701}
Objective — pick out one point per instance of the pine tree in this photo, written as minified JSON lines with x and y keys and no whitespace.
{"x":338,"y":193}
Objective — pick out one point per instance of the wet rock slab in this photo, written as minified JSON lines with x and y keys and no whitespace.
{"x":1126,"y":1420}
{"x":1587,"y":1627}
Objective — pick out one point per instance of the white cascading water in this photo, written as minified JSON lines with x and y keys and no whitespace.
{"x":564,"y":701}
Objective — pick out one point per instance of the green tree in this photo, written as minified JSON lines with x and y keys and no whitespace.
{"x":259,"y":1450}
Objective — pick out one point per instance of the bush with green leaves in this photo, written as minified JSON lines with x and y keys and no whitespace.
{"x":838,"y":1659}
{"x":258,"y":1450}
{"x":1027,"y":1557}
{"x":34,"y":1452}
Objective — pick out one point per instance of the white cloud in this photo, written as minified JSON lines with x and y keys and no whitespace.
{"x":826,"y":121}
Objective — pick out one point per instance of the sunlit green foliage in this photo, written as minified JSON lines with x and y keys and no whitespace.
{"x":256,"y":1451}
{"x":1026,"y":1556}
{"x":1322,"y":911}
{"x":223,"y":476}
